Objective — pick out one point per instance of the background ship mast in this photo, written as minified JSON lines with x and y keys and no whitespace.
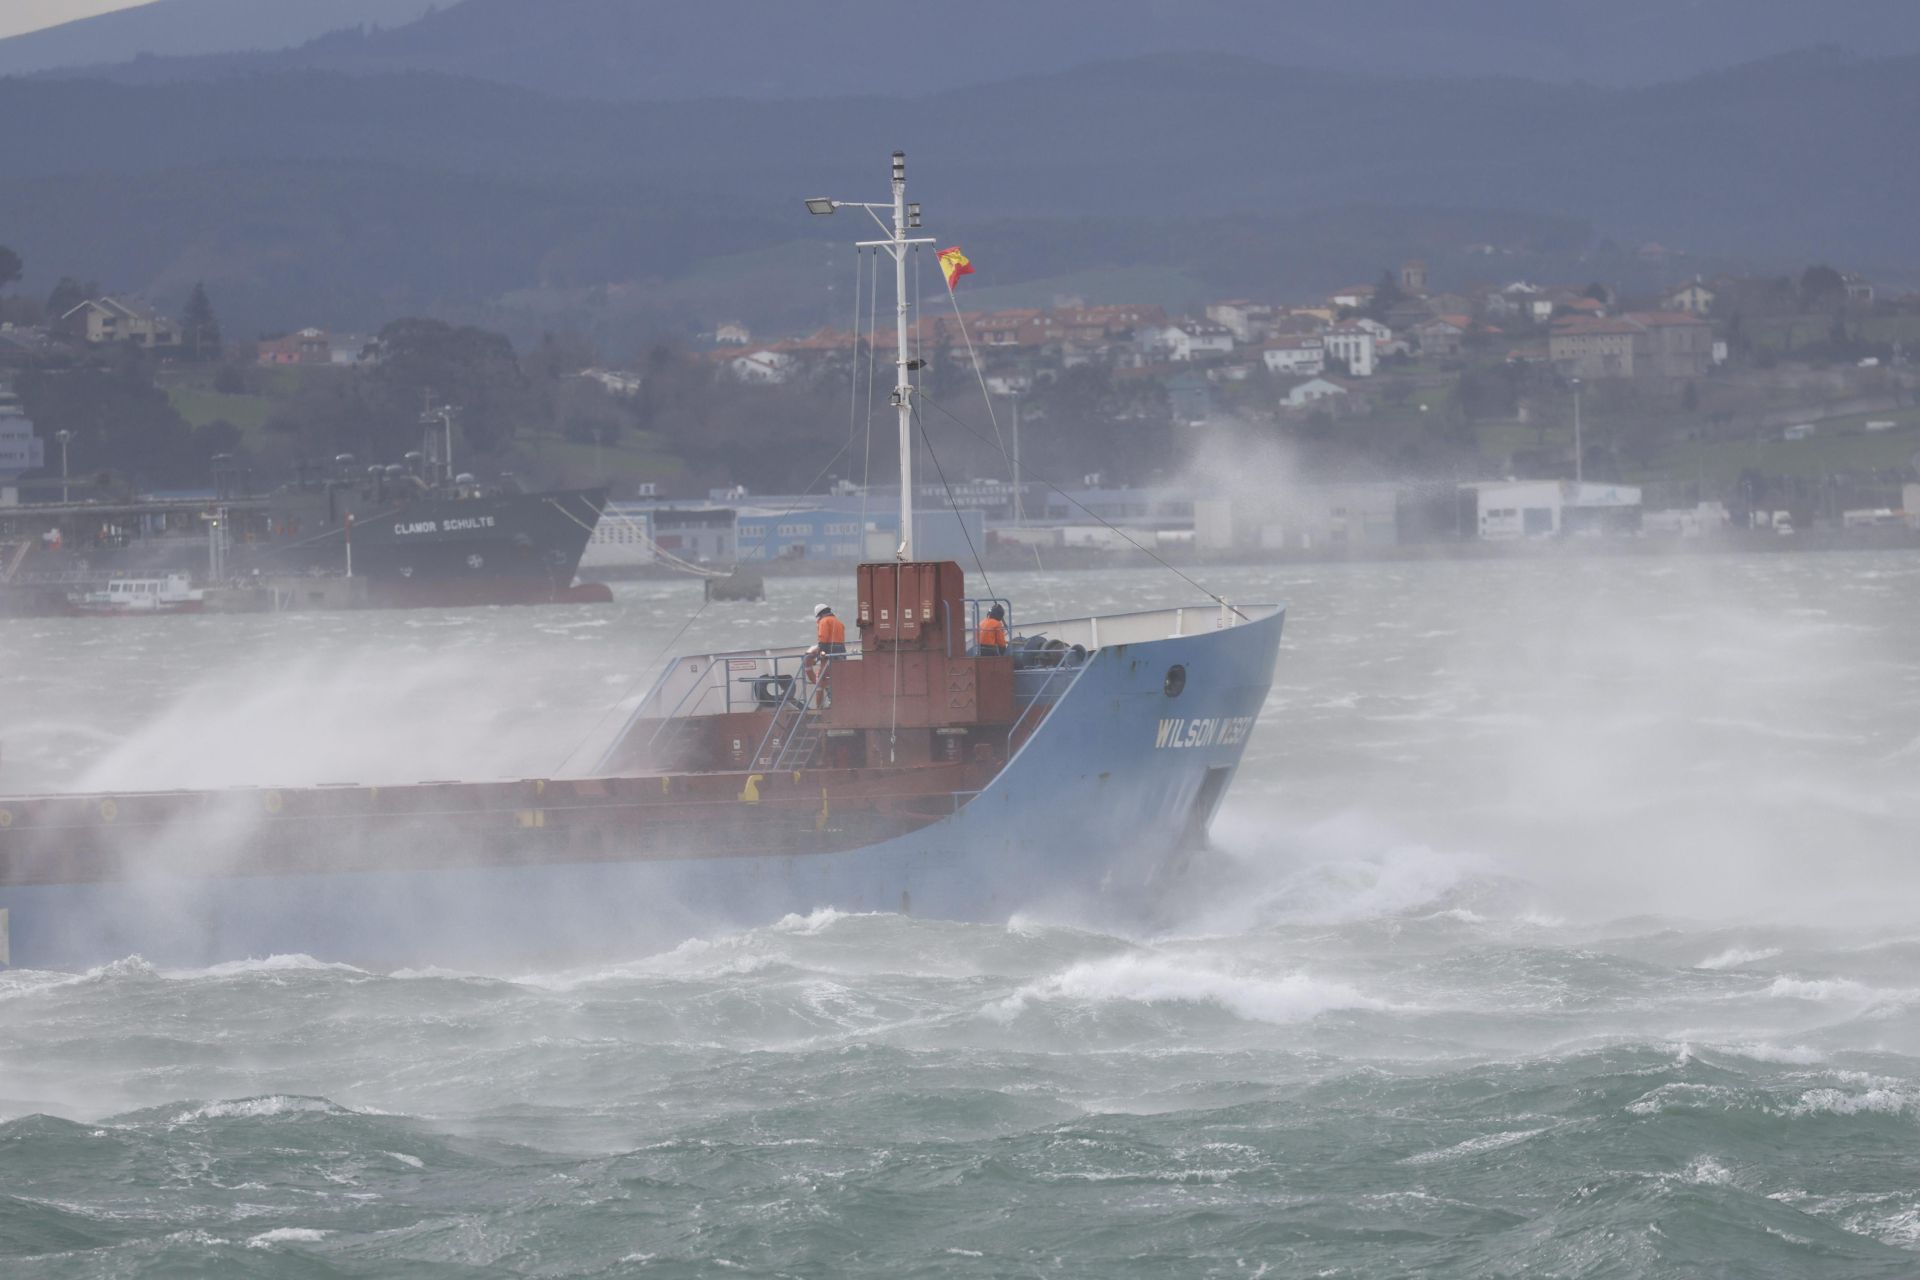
{"x":905,"y":217}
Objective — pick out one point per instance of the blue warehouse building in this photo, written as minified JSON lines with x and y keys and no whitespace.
{"x":831,"y":534}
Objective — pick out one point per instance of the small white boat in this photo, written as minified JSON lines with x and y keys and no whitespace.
{"x":174,"y":593}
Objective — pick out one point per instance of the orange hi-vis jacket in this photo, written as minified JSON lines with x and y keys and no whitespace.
{"x":831,"y":631}
{"x":992,"y":634}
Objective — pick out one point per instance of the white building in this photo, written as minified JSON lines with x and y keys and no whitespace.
{"x":1196,"y":340}
{"x":1695,"y":299}
{"x":1688,"y":522}
{"x":1247,"y":321}
{"x":619,"y":382}
{"x":1306,"y":518}
{"x":20,"y":450}
{"x":1295,"y":357}
{"x":1356,"y":344}
{"x":1513,"y":509}
{"x":731,"y":333}
{"x":1520,"y":299}
{"x":762,"y":367}
{"x":622,"y":540}
{"x":1382,"y":335}
{"x":1312,"y":391}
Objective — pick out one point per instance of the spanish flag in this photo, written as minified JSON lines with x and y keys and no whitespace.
{"x":953,"y":265}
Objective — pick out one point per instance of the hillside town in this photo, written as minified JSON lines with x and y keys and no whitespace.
{"x":1379,"y":415}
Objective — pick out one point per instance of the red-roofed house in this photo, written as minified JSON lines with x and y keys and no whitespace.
{"x":1294,"y":356}
{"x":309,"y":346}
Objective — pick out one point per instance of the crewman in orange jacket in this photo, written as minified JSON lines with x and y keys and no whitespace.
{"x":829,"y":633}
{"x":991,"y":640}
{"x":829,"y":641}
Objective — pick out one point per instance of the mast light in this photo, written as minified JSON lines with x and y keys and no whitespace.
{"x":820,"y":205}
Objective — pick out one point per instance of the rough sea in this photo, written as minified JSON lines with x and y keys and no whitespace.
{"x":1563,"y":922}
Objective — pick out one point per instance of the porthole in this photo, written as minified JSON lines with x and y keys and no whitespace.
{"x":1176,"y":680}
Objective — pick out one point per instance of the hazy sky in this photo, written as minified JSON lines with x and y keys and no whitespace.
{"x":30,"y":15}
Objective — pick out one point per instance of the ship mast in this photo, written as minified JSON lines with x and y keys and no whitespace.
{"x":905,"y":217}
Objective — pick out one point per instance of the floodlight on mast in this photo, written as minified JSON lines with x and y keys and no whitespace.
{"x":903,"y":217}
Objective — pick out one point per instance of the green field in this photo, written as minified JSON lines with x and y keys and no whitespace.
{"x":1500,"y":440}
{"x":1840,"y":444}
{"x":1786,"y":333}
{"x":199,"y":406}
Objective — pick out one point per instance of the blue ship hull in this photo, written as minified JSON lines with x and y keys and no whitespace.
{"x":1120,"y":777}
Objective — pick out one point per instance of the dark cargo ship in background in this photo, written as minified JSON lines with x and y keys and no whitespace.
{"x":405,"y":542}
{"x":415,"y":545}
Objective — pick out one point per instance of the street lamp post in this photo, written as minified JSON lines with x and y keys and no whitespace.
{"x":1579,"y":453}
{"x":63,"y":437}
{"x":1019,"y":495}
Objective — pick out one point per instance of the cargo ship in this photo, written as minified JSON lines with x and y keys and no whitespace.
{"x":416,"y":543}
{"x":417,"y":533}
{"x":921,"y":770}
{"x":416,"y":546}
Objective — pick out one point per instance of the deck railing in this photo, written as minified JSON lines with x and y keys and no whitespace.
{"x":719,"y":683}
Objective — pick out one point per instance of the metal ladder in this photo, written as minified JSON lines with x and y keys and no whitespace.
{"x":20,"y":550}
{"x":795,"y":728}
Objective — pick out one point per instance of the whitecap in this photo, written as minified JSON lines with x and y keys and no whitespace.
{"x":287,"y":1235}
{"x":1150,"y":978}
{"x":277,"y":1104}
{"x":1838,"y":1102}
{"x":296,"y":962}
{"x":813,"y":922}
{"x":126,"y":967}
{"x":1682,"y":1096}
{"x":1827,"y":991}
{"x":1473,"y":1146}
{"x":1708,"y":1172}
{"x":1735,"y":957}
{"x":1793,"y":1055}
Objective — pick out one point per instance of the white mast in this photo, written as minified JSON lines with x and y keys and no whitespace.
{"x":906,"y":217}
{"x":902,"y":384}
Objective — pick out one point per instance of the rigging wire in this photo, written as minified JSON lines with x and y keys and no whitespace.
{"x":660,"y":553}
{"x":916,"y":310}
{"x":873,"y":335}
{"x":1124,"y":536}
{"x":853,"y":357}
{"x":986,"y":398}
{"x":981,"y":374}
{"x":978,"y":562}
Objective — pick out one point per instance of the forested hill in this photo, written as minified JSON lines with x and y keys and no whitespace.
{"x":309,"y":196}
{"x":779,"y":49}
{"x":192,"y":28}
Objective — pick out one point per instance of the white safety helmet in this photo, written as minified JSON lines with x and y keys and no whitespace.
{"x":822,"y":608}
